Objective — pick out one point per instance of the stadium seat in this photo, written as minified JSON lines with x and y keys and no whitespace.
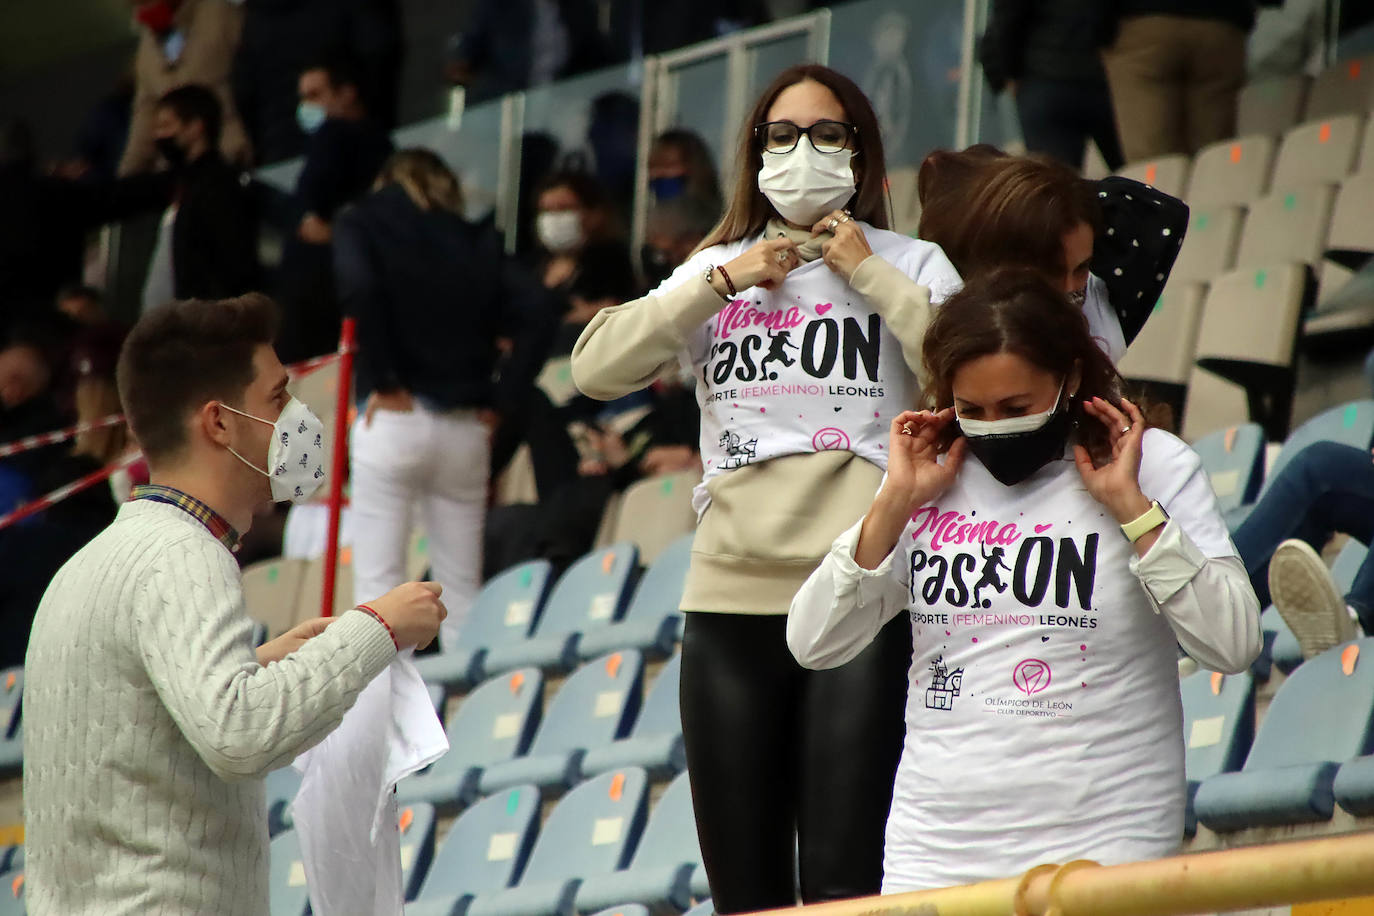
{"x":1366,"y":161}
{"x":1350,"y":424}
{"x":494,"y":723}
{"x":1245,"y":366}
{"x":12,"y":893}
{"x":592,"y":831}
{"x":655,"y":742}
{"x":1271,"y":106}
{"x":271,"y":594}
{"x":593,"y":592}
{"x":516,"y":485}
{"x":417,"y":824}
{"x":656,"y":512}
{"x":1346,"y":303}
{"x":282,"y":786}
{"x":484,"y":851}
{"x":504,"y":611}
{"x":1210,"y":246}
{"x":439,"y":698}
{"x":667,"y":859}
{"x":1160,"y":359}
{"x":11,"y":719}
{"x":16,"y":858}
{"x":556,"y":381}
{"x":1320,"y":151}
{"x":1167,"y":173}
{"x":1234,"y":461}
{"x":906,"y":201}
{"x":286,"y":883}
{"x":1329,"y":702}
{"x":628,"y":909}
{"x":595,"y":706}
{"x":417,"y":555}
{"x":1343,"y":88}
{"x":705,"y":908}
{"x":1231,"y":172}
{"x":1218,"y":725}
{"x":312,"y":586}
{"x":1289,"y":225}
{"x":653,"y":622}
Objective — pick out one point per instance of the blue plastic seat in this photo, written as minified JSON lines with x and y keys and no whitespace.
{"x":289,"y":894}
{"x":1218,"y":726}
{"x":417,"y":824}
{"x":1234,"y":461}
{"x":282,"y":786}
{"x":505,"y":611}
{"x":593,"y":592}
{"x":12,"y":893}
{"x":626,"y":909}
{"x":485,"y":851}
{"x":1349,"y":424}
{"x":655,"y":742}
{"x":704,"y":908}
{"x":592,"y":831}
{"x":11,"y":719}
{"x":595,"y":706}
{"x":1320,"y":718}
{"x":653,"y":623}
{"x":495,"y":722}
{"x":1354,"y":786}
{"x":668,"y":858}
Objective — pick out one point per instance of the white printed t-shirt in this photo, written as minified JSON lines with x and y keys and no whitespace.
{"x":1043,"y":715}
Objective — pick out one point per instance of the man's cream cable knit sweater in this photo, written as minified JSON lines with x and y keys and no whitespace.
{"x":148,"y":724}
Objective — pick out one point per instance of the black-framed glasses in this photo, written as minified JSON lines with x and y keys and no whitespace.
{"x":825,"y":136}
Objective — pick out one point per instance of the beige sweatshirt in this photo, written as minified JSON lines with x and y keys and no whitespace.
{"x":768,"y":524}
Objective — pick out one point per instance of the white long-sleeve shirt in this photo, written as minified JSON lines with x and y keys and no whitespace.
{"x":1043,"y":714}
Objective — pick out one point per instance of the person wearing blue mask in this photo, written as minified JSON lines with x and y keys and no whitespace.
{"x":680,"y":164}
{"x":345,"y":150}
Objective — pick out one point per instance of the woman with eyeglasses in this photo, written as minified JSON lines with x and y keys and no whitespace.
{"x":801,"y":316}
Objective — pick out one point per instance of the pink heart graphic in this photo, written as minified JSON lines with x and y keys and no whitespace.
{"x":824,"y":307}
{"x":1041,"y":529}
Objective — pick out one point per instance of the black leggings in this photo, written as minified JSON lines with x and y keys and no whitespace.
{"x":777,"y":753}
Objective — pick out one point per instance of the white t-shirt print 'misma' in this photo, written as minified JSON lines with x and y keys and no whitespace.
{"x":1043,"y":717}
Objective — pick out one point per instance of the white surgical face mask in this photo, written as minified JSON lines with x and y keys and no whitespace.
{"x":804,"y":185}
{"x":560,"y":231}
{"x":295,"y":455}
{"x":1029,"y":423}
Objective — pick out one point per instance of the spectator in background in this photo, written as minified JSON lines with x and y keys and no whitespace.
{"x":27,"y":407}
{"x":680,"y":165}
{"x":207,"y":244}
{"x":84,"y":305}
{"x":638,"y":27}
{"x":431,"y":293}
{"x":183,"y":42}
{"x":281,"y":36}
{"x":672,"y":232}
{"x":510,"y":45}
{"x":344,"y":153}
{"x":104,"y":134}
{"x":1045,"y":53}
{"x":1175,"y":69}
{"x":573,"y":212}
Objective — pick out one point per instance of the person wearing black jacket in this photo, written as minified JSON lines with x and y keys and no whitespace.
{"x":1175,"y":69}
{"x":1045,"y":53}
{"x":207,"y":247}
{"x":432,"y":294}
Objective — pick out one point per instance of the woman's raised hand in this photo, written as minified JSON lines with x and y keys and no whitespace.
{"x":766,"y":264}
{"x":848,"y":249}
{"x":1116,"y":484}
{"x":915,"y":475}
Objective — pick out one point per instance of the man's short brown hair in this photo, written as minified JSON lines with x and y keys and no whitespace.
{"x":183,"y":354}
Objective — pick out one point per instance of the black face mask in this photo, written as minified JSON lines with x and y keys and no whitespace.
{"x":1013,"y":457}
{"x":169,"y":149}
{"x":658,"y":264}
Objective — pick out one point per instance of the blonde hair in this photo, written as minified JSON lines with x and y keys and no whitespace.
{"x":425,"y":178}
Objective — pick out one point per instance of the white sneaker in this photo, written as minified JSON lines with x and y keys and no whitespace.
{"x":1307,"y":600}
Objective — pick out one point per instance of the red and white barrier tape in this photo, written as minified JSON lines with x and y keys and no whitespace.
{"x":62,"y":492}
{"x":28,"y":443}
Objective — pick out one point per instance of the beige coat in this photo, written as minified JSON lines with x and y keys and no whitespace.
{"x":212,"y":30}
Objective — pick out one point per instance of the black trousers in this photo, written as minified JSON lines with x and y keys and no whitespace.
{"x":779,"y":755}
{"x":1058,"y":117}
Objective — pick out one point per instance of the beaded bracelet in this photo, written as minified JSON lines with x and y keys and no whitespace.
{"x":726,"y":277}
{"x":378,"y":617}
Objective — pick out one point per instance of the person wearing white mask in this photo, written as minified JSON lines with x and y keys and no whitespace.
{"x":572,"y":213}
{"x":143,"y":787}
{"x":801,"y":316}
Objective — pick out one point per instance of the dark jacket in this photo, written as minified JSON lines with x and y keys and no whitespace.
{"x":431,"y":294}
{"x":498,"y":43}
{"x":342,"y":160}
{"x":1045,"y":39}
{"x":215,"y":238}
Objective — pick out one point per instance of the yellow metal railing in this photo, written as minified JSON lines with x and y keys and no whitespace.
{"x":1330,"y":868}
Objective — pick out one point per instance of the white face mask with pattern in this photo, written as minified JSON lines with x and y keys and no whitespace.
{"x":295,"y":454}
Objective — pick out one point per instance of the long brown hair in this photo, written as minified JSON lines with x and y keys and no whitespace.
{"x":1016,"y":310}
{"x":749,"y":211}
{"x":987,"y":209}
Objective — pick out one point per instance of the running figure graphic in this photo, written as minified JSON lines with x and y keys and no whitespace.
{"x":992,"y":562}
{"x":777,"y":352}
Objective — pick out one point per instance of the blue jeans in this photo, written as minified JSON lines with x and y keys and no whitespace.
{"x":1326,"y":488}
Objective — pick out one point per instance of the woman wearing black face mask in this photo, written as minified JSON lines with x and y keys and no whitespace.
{"x":1049,"y":558}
